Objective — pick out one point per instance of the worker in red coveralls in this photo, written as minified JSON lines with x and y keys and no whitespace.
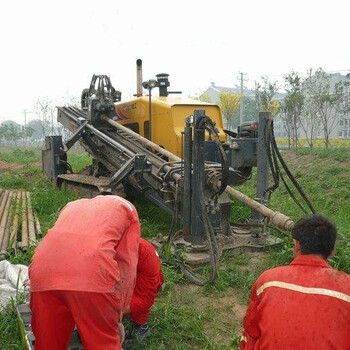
{"x":149,"y":279}
{"x":305,"y":305}
{"x":83,"y":273}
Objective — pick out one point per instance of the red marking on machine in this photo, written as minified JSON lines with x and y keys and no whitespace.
{"x":121,"y":114}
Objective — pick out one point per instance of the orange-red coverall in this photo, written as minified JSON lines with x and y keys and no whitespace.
{"x":305,"y":305}
{"x":83,"y":273}
{"x":149,"y":279}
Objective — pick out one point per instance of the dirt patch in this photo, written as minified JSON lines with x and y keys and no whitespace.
{"x":255,"y":259}
{"x":228,"y":314}
{"x":10,"y":167}
{"x":225,"y":313}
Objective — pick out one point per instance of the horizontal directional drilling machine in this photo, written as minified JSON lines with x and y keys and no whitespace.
{"x":176,"y":153}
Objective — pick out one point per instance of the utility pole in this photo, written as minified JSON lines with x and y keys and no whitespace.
{"x":242,"y":80}
{"x":309,"y":72}
{"x":25,"y":118}
{"x":25,"y":125}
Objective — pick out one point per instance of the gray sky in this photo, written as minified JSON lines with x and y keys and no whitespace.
{"x":52,"y":48}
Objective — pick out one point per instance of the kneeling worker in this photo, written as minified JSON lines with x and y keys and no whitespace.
{"x":149,"y":279}
{"x":83,"y":273}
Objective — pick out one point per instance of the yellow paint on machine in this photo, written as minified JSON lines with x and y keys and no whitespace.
{"x":168,"y":118}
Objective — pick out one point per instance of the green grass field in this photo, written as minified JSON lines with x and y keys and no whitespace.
{"x":187,"y":316}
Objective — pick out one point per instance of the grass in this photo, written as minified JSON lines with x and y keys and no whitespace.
{"x":21,"y":156}
{"x":186,"y":316}
{"x":318,"y":143}
{"x":10,"y":337}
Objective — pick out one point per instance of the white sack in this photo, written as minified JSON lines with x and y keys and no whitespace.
{"x":10,"y":276}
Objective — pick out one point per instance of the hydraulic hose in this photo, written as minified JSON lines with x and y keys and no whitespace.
{"x":214,"y":255}
{"x":274,"y":156}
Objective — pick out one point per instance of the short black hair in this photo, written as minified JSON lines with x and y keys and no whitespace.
{"x":316,"y":235}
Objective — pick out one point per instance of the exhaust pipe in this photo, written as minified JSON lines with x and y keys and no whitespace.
{"x":139,"y":77}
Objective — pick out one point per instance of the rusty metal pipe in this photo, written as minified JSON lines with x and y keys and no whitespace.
{"x":37,"y":225}
{"x":282,"y":221}
{"x":4,"y":226}
{"x":3,"y":202}
{"x":31,"y":229}
{"x":24,"y":222}
{"x":13,"y":237}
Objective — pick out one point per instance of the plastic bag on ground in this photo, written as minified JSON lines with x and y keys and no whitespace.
{"x":13,"y":280}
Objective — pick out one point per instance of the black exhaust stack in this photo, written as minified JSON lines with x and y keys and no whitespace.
{"x":139,"y":77}
{"x":163,"y":83}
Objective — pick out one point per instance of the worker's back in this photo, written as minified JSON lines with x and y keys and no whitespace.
{"x":305,"y":305}
{"x":88,"y":247}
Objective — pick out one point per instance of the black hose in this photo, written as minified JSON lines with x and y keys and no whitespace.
{"x":210,"y":126}
{"x":274,"y":156}
{"x":213,"y":248}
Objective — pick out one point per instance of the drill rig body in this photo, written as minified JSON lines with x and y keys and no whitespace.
{"x":174,"y":151}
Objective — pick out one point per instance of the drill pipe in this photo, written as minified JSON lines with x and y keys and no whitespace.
{"x":31,"y":228}
{"x":3,"y":204}
{"x":282,"y":221}
{"x":4,"y":227}
{"x":37,"y":225}
{"x":142,"y":139}
{"x":13,"y":237}
{"x":24,"y":222}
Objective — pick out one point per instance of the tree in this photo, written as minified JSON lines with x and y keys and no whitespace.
{"x":251,"y":112}
{"x":328,"y":102}
{"x":293,"y":106}
{"x":265,"y":91}
{"x":309,"y":119}
{"x":201,"y":97}
{"x":205,"y":98}
{"x":38,"y":131}
{"x":229,"y":104}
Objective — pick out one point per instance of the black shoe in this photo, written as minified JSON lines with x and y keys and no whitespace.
{"x":137,"y":334}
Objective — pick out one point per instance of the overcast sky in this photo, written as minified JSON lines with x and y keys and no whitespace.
{"x":51,"y":48}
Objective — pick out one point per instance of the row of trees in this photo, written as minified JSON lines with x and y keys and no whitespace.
{"x":316,"y":103}
{"x":12,"y":133}
{"x":35,"y":131}
{"x":307,"y":106}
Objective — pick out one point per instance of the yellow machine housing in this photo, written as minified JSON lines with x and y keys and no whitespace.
{"x":167,"y":118}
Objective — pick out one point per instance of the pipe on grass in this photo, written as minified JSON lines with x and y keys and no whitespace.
{"x":24,"y":237}
{"x":13,"y":237}
{"x":31,"y":229}
{"x":5,"y":226}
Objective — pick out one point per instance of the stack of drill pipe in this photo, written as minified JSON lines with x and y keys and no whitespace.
{"x":17,"y":220}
